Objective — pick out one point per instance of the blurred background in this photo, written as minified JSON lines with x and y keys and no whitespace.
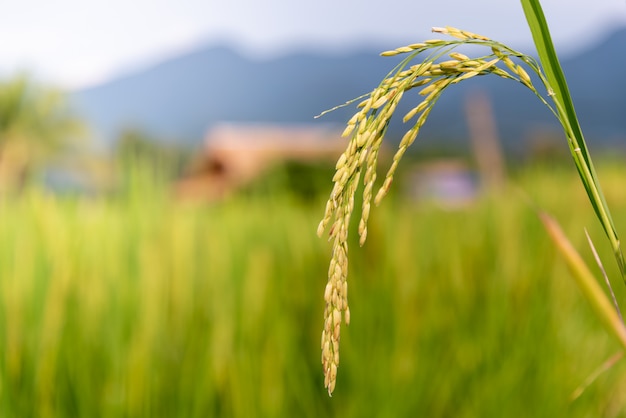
{"x":162,"y":176}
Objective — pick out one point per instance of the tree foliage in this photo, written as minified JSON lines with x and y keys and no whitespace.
{"x":36,"y":123}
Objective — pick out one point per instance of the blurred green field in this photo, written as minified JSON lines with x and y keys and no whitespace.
{"x":140,"y":306}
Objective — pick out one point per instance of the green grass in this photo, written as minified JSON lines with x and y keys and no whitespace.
{"x":139,"y":306}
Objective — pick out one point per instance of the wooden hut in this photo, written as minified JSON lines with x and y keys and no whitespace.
{"x":235,"y":154}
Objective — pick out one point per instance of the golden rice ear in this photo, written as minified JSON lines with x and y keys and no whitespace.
{"x":367,"y":128}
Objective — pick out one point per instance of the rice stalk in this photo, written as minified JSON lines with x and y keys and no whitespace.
{"x":442,"y":68}
{"x":559,"y":93}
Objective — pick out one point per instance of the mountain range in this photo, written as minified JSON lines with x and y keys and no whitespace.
{"x":180,"y":98}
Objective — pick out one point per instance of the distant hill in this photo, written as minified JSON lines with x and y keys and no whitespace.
{"x":180,"y":98}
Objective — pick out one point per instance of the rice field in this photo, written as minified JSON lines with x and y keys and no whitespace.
{"x":141,"y":306}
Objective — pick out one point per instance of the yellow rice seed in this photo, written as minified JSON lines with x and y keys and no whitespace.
{"x":422,"y":68}
{"x":362,"y":138}
{"x":326,"y":349}
{"x":466,"y":69}
{"x":331,"y":234}
{"x":378,"y":92}
{"x":428,"y":89}
{"x":331,"y":387}
{"x":346,"y":132}
{"x":351,"y":149}
{"x":387,"y":184}
{"x":381,"y":101}
{"x":338,"y":272}
{"x":523,"y":75}
{"x":384,"y":189}
{"x":420,"y":107}
{"x":328,"y":325}
{"x":411,"y":114}
{"x":389,"y":53}
{"x":338,"y":175}
{"x":330,"y":207}
{"x":366,"y":108}
{"x":501,"y":73}
{"x":435,"y":72}
{"x":320,"y":228}
{"x":465,"y":76}
{"x":362,"y":236}
{"x":333,"y":371}
{"x":509,"y":63}
{"x":472,"y":63}
{"x":449,"y":64}
{"x":474,"y":36}
{"x":336,"y":317}
{"x":337,"y":332}
{"x":421,"y":120}
{"x":341,"y":162}
{"x":346,"y":316}
{"x":362,"y":126}
{"x":344,"y":270}
{"x":392,"y":108}
{"x":433,"y":41}
{"x":421,"y":82}
{"x":363,"y":156}
{"x":362,"y":104}
{"x":344,"y":177}
{"x":362,"y":227}
{"x":336,"y":259}
{"x":442,"y":83}
{"x":408,"y":138}
{"x":366,"y":210}
{"x":328,"y":292}
{"x":457,"y":33}
{"x":459,"y":57}
{"x":403,"y":49}
{"x":401,"y":74}
{"x":487,"y":64}
{"x":339,"y":256}
{"x":417,"y":46}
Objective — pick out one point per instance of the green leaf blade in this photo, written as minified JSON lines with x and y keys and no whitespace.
{"x":567,"y":116}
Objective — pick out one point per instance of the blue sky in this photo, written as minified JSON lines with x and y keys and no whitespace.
{"x":74,"y":43}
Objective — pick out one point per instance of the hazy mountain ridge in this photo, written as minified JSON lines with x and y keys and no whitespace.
{"x":182,"y":97}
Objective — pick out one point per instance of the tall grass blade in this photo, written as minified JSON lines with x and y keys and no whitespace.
{"x":567,"y":115}
{"x":596,"y":373}
{"x":596,"y":256}
{"x":586,"y":281}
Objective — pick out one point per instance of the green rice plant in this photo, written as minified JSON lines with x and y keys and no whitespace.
{"x":441,"y":68}
{"x":135,"y":305}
